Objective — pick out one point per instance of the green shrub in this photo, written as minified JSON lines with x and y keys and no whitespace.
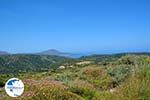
{"x":136,"y":87}
{"x":3,"y":79}
{"x":104,"y":95}
{"x":83,"y":88}
{"x":96,"y":76}
{"x":63,"y":77}
{"x":119,"y":73}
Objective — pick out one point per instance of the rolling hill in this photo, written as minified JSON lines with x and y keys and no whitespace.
{"x":21,"y":63}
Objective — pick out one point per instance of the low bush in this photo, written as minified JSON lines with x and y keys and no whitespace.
{"x":96,"y":76}
{"x":54,"y":93}
{"x":136,"y":87}
{"x":45,"y":90}
{"x":83,"y":88}
{"x":119,"y":73}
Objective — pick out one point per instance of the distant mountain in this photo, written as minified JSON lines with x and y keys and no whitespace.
{"x":54,"y":52}
{"x":3,"y":53}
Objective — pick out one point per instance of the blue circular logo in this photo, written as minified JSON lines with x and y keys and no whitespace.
{"x":14,"y":87}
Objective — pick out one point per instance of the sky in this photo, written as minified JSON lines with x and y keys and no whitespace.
{"x":75,"y":25}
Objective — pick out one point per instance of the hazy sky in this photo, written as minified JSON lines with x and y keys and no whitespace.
{"x":74,"y":25}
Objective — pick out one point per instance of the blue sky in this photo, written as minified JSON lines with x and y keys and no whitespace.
{"x":75,"y":25}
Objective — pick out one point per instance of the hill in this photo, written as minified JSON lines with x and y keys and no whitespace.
{"x":3,"y":53}
{"x":23,"y":63}
{"x":109,"y":57}
{"x":29,"y":63}
{"x":54,"y":52}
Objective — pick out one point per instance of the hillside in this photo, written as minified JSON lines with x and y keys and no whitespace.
{"x":109,"y":57}
{"x":126,"y":78}
{"x":21,"y":63}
